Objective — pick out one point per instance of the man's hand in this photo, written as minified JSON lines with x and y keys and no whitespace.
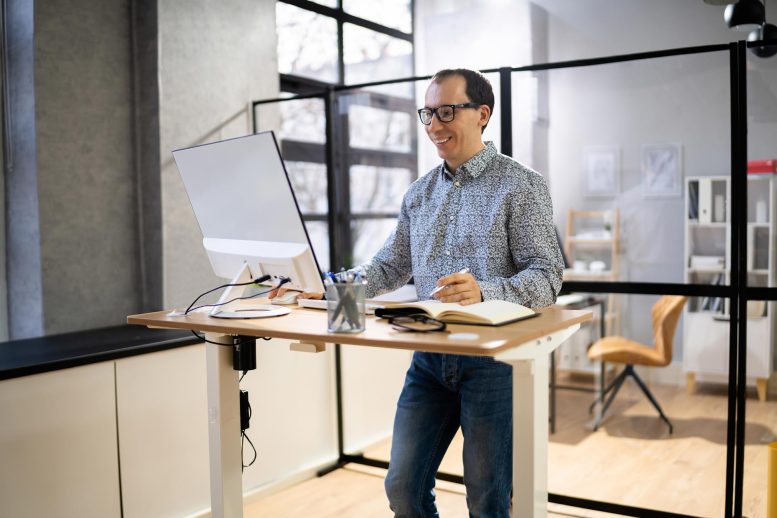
{"x":459,"y":287}
{"x":304,"y":295}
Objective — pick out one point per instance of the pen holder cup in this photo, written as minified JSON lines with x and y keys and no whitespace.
{"x":345,"y":307}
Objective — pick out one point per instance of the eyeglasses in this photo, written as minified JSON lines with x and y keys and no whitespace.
{"x":417,"y":323}
{"x":445,"y":113}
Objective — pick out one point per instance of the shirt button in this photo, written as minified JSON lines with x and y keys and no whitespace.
{"x":457,"y":183}
{"x":447,"y":252}
{"x":450,"y":219}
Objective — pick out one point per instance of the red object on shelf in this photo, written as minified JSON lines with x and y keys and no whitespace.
{"x":762,"y":166}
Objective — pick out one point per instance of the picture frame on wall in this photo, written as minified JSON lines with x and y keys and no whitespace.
{"x":662,"y":170}
{"x":601,"y":171}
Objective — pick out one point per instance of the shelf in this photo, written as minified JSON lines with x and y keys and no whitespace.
{"x":587,"y":241}
{"x":756,"y":224}
{"x":707,"y":270}
{"x":574,"y":275}
{"x":715,"y":224}
{"x":758,"y":272}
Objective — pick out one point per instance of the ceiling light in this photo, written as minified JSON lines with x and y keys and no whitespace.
{"x":745,"y":15}
{"x":767,"y":31}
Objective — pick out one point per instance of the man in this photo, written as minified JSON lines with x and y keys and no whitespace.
{"x":481,"y":212}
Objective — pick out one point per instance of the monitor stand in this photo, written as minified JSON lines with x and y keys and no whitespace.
{"x":239,"y":309}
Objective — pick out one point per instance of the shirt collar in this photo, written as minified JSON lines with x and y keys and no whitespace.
{"x":475,"y":165}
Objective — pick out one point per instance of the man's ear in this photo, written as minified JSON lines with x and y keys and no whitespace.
{"x":485,"y":115}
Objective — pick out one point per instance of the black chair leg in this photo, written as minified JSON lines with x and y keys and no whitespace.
{"x":605,"y":391}
{"x":616,"y":386}
{"x":650,"y":397}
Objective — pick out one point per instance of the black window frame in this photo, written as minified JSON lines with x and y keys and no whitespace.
{"x":337,"y":153}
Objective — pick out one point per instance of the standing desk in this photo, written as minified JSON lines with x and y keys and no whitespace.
{"x":526,"y":345}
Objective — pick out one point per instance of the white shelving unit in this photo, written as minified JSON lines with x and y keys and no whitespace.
{"x":591,"y":237}
{"x":708,"y":260}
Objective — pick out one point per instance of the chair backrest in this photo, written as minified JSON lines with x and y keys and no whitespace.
{"x":666,"y":313}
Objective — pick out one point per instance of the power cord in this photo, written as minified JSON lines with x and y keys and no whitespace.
{"x":258,"y":280}
{"x":263,"y":278}
{"x":252,"y":339}
{"x":245,"y":418}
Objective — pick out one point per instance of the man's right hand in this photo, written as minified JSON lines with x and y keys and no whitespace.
{"x":304,"y":295}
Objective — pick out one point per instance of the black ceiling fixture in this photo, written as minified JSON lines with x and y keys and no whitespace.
{"x":750,"y":15}
{"x":767,"y":31}
{"x":745,"y":15}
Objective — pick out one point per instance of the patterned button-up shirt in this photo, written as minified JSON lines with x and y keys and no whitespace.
{"x":493,"y":216}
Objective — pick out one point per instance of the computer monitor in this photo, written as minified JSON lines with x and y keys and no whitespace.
{"x":251,"y":224}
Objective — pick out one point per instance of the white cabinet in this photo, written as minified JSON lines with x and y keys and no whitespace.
{"x":708,"y":260}
{"x":163,"y":432}
{"x":58,"y":444}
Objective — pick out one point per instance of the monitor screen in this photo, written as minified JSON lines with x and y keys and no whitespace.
{"x":245,"y":206}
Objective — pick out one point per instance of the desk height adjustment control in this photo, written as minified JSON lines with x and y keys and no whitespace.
{"x":308,"y":347}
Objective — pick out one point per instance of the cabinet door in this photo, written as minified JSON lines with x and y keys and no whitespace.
{"x":163,"y":433}
{"x":758,"y":348}
{"x":706,"y":344}
{"x":58,"y":444}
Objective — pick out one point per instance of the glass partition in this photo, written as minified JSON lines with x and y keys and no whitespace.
{"x":760,"y":428}
{"x":637,"y":155}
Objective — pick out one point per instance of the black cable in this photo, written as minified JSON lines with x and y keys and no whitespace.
{"x":282,"y":281}
{"x":252,"y":339}
{"x":244,"y":437}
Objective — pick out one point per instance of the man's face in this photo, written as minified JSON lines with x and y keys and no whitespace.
{"x":460,"y":139}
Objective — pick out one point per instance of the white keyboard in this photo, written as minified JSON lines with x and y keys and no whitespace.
{"x":321,"y":304}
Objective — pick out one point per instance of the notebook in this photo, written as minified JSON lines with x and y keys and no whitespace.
{"x":488,"y":313}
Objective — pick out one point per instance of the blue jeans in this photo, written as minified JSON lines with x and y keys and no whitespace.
{"x":441,"y":393}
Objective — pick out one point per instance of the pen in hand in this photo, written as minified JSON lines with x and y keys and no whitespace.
{"x":438,"y":288}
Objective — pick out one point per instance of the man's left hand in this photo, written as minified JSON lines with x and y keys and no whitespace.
{"x":460,"y":287}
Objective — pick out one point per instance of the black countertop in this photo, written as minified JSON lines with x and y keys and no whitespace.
{"x":49,"y":353}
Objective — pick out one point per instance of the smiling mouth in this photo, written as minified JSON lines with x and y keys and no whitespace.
{"x":441,"y":141}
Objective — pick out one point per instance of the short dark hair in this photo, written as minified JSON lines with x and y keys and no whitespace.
{"x":478,"y":87}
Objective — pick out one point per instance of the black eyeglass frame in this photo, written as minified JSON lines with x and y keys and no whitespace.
{"x":433,"y":111}
{"x":397,"y":322}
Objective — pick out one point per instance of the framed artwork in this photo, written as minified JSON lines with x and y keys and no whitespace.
{"x":601,"y":170}
{"x":662,"y":170}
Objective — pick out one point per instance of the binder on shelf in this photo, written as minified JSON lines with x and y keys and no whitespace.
{"x":762,"y":166}
{"x":707,"y":262}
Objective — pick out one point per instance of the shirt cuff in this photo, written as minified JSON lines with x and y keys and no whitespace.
{"x":490,"y":290}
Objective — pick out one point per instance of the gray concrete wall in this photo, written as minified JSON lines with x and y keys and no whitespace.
{"x":88,"y":218}
{"x":215,"y":58}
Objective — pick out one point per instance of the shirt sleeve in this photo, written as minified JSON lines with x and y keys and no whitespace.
{"x":391,"y":267}
{"x":534,"y":249}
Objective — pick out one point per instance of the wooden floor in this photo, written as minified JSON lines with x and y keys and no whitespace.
{"x":630,"y":460}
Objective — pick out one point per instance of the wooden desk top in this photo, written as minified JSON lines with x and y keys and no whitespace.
{"x":309,"y":325}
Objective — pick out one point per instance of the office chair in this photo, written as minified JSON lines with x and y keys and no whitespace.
{"x":617,"y":349}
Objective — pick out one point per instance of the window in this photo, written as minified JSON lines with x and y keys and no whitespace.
{"x":330,"y":44}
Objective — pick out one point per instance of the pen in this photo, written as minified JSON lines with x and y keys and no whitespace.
{"x":438,"y":288}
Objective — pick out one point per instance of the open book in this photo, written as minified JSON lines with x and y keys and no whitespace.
{"x":488,"y":313}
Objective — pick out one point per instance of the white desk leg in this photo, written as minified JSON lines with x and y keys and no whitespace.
{"x":226,"y":481}
{"x":530,"y":443}
{"x":531,"y":364}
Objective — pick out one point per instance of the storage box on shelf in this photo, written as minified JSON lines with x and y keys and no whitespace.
{"x":708,"y":259}
{"x":592,"y":247}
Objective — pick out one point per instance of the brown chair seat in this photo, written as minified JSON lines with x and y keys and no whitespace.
{"x":617,"y":349}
